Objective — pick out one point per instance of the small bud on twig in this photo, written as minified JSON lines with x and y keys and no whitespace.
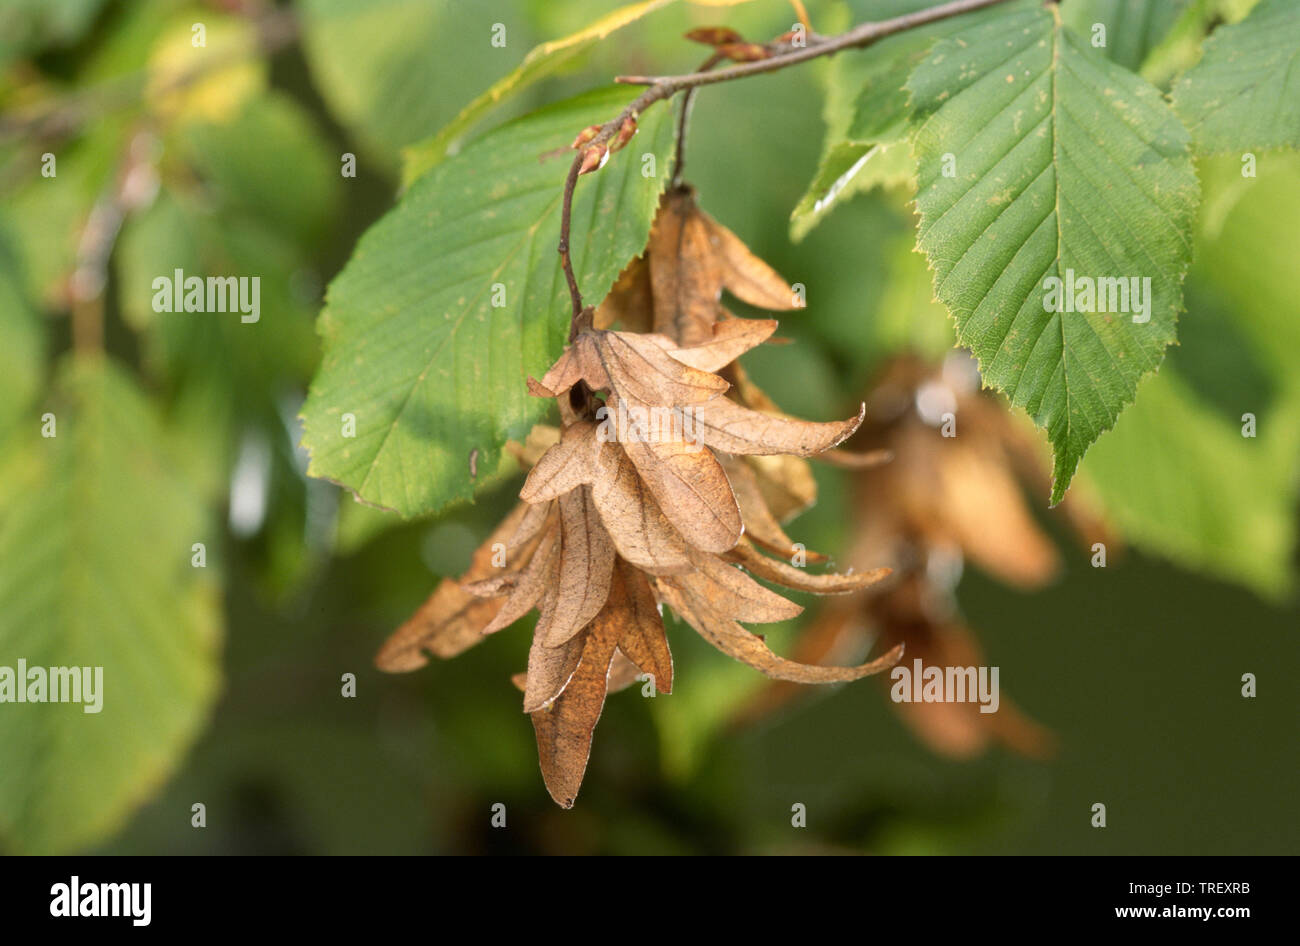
{"x":591,"y":131}
{"x":714,"y":35}
{"x":745,"y":52}
{"x":625,"y":133}
{"x":593,"y":159}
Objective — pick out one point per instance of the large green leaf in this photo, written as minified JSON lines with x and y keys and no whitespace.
{"x":1132,"y":27}
{"x":96,"y":529}
{"x":1061,"y":162}
{"x":415,"y":350}
{"x":1244,"y":94}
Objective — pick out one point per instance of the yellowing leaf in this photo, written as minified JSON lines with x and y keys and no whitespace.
{"x":219,"y":93}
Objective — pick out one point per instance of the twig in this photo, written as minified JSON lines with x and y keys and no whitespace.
{"x":660,"y":88}
{"x":135,"y":186}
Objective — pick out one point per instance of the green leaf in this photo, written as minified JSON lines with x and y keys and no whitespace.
{"x":1177,"y":475}
{"x":96,"y":529}
{"x":1061,"y":163}
{"x":891,"y":289}
{"x":846,"y":169}
{"x":415,"y":350}
{"x":1244,"y":94}
{"x":1247,"y":253}
{"x":865,"y":128}
{"x":1182,"y":481}
{"x":1132,"y":27}
{"x":541,"y":61}
{"x":1181,"y":47}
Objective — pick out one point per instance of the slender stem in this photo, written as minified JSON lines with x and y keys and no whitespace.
{"x":134,"y":186}
{"x":566,"y":217}
{"x":659,"y":88}
{"x":862,"y":35}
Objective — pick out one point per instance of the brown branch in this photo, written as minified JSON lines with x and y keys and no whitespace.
{"x":659,"y":88}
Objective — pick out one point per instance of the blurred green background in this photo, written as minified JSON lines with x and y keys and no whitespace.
{"x":1136,"y":667}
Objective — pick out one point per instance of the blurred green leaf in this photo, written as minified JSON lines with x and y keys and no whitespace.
{"x":1183,"y":43}
{"x":1132,"y":27}
{"x":415,"y":350}
{"x":1244,"y":94}
{"x":272,"y":164}
{"x":1182,"y":481}
{"x":246,"y":364}
{"x":848,"y":168}
{"x":209,"y":81}
{"x":231,"y":387}
{"x":96,"y":530}
{"x":30,"y":25}
{"x":393,"y":71}
{"x":1247,"y":252}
